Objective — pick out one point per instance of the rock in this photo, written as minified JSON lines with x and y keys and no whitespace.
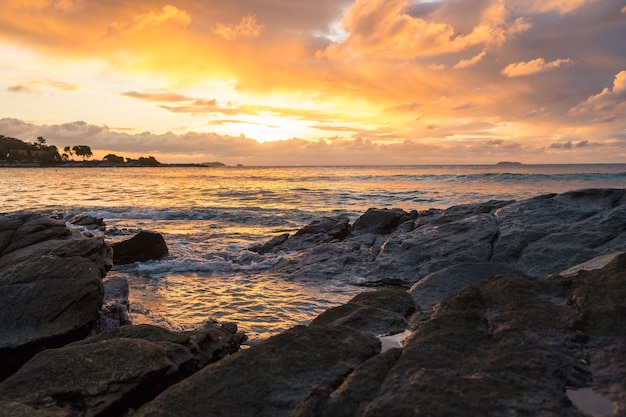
{"x":21,"y":230}
{"x":269,"y":246}
{"x":115,"y":305}
{"x":87,"y":221}
{"x":376,"y":312}
{"x":114,"y":371}
{"x":269,"y":379}
{"x":50,"y":286}
{"x":382,"y":221}
{"x":537,"y":236}
{"x":144,"y":246}
{"x":315,"y":233}
{"x":433,"y":288}
{"x":510,"y":345}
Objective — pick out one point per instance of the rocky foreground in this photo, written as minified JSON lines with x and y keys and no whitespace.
{"x":497,"y":309}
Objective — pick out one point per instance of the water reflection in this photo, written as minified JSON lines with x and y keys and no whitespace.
{"x":261,"y":305}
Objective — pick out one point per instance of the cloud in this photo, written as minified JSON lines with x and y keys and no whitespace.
{"x":384,"y":29}
{"x":39,"y":85}
{"x":167,"y":15}
{"x":466,"y":63}
{"x":607,"y":105}
{"x":158,"y":97}
{"x":519,"y":69}
{"x":247,"y":28}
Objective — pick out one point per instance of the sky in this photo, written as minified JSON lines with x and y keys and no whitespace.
{"x":324,"y":82}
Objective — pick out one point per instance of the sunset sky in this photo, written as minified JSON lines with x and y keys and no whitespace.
{"x":324,"y":82}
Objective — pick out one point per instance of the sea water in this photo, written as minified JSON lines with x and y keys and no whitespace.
{"x":210,"y":216}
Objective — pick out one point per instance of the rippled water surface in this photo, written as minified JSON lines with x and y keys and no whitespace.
{"x":210,"y":216}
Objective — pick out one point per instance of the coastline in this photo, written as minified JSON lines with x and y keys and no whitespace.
{"x":502,"y":329}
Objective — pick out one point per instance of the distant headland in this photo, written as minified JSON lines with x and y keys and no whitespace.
{"x":20,"y":154}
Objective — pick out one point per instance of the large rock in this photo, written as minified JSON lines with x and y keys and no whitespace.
{"x":50,"y":286}
{"x":144,"y":246}
{"x":509,"y":346}
{"x":115,"y":371}
{"x":537,"y":236}
{"x":269,"y":379}
{"x":433,"y":288}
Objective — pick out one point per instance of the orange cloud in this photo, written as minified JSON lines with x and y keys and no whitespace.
{"x":383,"y":29}
{"x":36,"y":86}
{"x":247,"y":28}
{"x":535,"y":66}
{"x":466,"y":63}
{"x":607,"y":105}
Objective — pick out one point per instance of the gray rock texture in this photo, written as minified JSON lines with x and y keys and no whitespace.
{"x":294,"y":369}
{"x":144,"y":246}
{"x":50,"y":286}
{"x":116,"y":370}
{"x":538,"y":236}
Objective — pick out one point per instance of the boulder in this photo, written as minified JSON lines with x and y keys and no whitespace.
{"x":115,"y":371}
{"x":115,"y":305}
{"x":382,"y":221}
{"x":50,"y":286}
{"x":510,"y":345}
{"x":537,"y":236}
{"x":269,"y":379}
{"x":375,"y":312}
{"x":144,"y":246}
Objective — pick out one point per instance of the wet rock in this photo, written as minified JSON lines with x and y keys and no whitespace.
{"x":115,"y":371}
{"x":144,"y":246}
{"x":382,"y":221}
{"x":510,"y":345}
{"x":269,"y":379}
{"x":115,"y":305}
{"x":50,"y":286}
{"x":317,"y":232}
{"x":433,"y":288}
{"x":537,"y":236}
{"x":376,"y":312}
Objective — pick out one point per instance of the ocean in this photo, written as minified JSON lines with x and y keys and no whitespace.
{"x":210,"y":216}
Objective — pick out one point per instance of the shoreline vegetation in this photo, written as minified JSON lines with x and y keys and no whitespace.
{"x":16,"y":153}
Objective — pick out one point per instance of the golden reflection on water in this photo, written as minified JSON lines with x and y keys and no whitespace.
{"x":260,"y":305}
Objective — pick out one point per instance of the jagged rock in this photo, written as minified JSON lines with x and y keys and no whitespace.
{"x":26,"y":229}
{"x":269,"y":246}
{"x":269,"y":379}
{"x":87,"y":221}
{"x":50,"y":286}
{"x":375,"y":312}
{"x":115,"y":305}
{"x":114,"y":371}
{"x":144,"y":246}
{"x":537,"y":236}
{"x":433,"y":288}
{"x":510,"y":345}
{"x":381,"y":221}
{"x":317,"y":232}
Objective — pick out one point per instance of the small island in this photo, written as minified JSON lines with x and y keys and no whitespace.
{"x":508,"y":164}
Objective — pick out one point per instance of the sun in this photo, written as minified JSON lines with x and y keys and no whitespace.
{"x":269,"y":128}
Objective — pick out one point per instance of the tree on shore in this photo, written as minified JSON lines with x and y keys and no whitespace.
{"x":67,"y":153}
{"x":82,"y":150}
{"x":114,"y":159}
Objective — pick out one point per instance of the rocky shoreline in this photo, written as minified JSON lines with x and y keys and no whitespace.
{"x":500,"y":308}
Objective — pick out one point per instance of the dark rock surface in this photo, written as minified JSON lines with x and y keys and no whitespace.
{"x":538,"y":236}
{"x":511,"y":345}
{"x":144,"y":246}
{"x":116,"y":370}
{"x":50,"y":286}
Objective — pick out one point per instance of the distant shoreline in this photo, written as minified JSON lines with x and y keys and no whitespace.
{"x":104,"y":164}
